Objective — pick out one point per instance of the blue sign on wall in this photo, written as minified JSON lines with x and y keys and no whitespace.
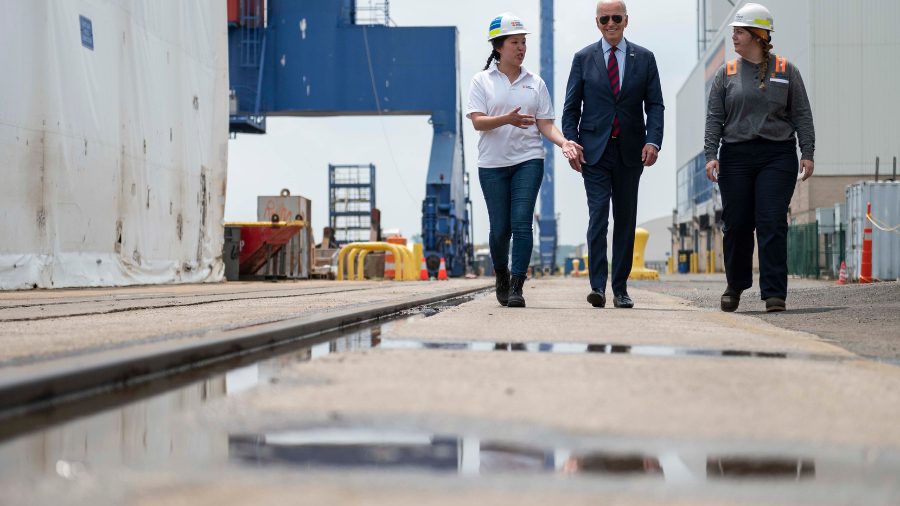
{"x":87,"y":33}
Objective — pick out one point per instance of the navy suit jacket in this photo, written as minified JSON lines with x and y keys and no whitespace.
{"x":590,"y":106}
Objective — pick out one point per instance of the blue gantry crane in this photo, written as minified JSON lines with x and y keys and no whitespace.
{"x":547,"y":226}
{"x":333,"y":57}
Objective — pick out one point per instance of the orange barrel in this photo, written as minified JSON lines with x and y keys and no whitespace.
{"x":390,"y":266}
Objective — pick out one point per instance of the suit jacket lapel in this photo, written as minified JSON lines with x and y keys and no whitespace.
{"x":601,"y":67}
{"x":630,"y":67}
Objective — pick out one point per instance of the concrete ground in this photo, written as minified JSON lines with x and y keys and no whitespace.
{"x":683,"y":388}
{"x":864,"y":319}
{"x":41,"y":325}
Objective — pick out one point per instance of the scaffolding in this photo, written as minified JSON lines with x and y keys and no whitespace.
{"x":369,"y":12}
{"x":351,"y":200}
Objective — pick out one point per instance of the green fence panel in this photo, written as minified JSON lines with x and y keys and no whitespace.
{"x":803,"y":250}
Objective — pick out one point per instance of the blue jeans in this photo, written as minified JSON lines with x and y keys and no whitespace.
{"x":510,"y":194}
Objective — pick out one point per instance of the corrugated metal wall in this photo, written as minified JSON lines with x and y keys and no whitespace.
{"x":854,"y":83}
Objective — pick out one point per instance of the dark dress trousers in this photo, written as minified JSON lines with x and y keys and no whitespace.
{"x":614,"y":166}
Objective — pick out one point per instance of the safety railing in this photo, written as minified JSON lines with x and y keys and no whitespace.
{"x":352,"y":257}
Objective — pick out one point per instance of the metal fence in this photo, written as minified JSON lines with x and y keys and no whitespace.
{"x":803,"y":250}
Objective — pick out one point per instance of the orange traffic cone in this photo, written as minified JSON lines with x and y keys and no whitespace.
{"x":442,"y":271}
{"x":423,"y":271}
{"x":842,"y":277}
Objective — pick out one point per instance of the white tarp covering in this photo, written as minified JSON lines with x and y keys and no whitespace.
{"x":113,"y":142}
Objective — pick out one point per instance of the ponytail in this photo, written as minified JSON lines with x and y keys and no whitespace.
{"x":494,"y":56}
{"x":497,"y":43}
{"x":764,"y":66}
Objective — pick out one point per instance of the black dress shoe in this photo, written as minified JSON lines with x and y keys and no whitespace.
{"x":597,"y":299}
{"x":623,"y":301}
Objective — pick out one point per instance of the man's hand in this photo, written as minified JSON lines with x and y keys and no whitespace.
{"x":519,"y":120}
{"x":574,"y":152}
{"x":649,"y":155}
{"x":806,"y":168}
{"x":575,"y":163}
{"x":712,"y":171}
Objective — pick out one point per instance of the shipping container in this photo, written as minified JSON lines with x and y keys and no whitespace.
{"x":884,"y":197}
{"x":113,"y":142}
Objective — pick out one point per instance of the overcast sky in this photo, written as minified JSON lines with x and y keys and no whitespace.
{"x":295,"y":152}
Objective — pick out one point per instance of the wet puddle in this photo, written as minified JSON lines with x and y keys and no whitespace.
{"x":609,"y":349}
{"x":356,"y":449}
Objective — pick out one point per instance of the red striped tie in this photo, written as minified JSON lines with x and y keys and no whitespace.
{"x":612,"y":68}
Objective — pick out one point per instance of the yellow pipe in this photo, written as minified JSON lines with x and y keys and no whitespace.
{"x":351,"y":263}
{"x":349,"y":254}
{"x":361,"y":265}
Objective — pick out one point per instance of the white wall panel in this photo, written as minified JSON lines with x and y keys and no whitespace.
{"x":114,"y":157}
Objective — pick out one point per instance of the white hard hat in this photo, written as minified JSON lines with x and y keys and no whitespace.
{"x":754,"y":16}
{"x":506,"y":24}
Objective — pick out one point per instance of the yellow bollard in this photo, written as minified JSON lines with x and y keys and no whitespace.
{"x":575,"y":265}
{"x":415,"y":264}
{"x":670,"y":268}
{"x":638,"y":270}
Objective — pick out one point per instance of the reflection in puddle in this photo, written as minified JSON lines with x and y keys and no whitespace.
{"x":536,"y":347}
{"x":323,"y":449}
{"x":733,"y":467}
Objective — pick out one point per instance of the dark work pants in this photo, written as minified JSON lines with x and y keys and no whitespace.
{"x":510,"y":194}
{"x":610,"y":178}
{"x":757,"y":180}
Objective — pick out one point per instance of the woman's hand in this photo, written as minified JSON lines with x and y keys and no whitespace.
{"x":712,"y":171}
{"x":572,"y":149}
{"x":518,"y":120}
{"x":806,"y":168}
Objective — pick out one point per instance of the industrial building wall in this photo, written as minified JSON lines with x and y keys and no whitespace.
{"x":113,"y":142}
{"x":854,"y":87}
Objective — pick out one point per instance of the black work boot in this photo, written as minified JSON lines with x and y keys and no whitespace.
{"x":775,"y":305}
{"x":502,"y":286}
{"x":515,"y":298}
{"x":730,"y":300}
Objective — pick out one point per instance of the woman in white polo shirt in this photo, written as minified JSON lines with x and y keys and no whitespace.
{"x":510,"y":108}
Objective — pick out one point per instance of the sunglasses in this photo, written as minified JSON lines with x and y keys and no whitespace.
{"x":616,"y":19}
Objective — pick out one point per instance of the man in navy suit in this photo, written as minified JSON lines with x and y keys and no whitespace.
{"x":611,"y":85}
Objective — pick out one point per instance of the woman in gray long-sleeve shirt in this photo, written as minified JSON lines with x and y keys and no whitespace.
{"x":758,"y":109}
